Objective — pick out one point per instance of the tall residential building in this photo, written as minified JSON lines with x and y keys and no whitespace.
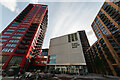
{"x":22,"y":39}
{"x":106,"y":50}
{"x":67,"y":52}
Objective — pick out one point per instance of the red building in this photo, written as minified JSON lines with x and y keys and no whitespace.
{"x":22,"y":39}
{"x":40,"y":63}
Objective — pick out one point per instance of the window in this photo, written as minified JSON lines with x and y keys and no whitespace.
{"x":53,"y":59}
{"x":43,"y":62}
{"x":114,"y":45}
{"x":7,"y":50}
{"x":10,"y":30}
{"x":43,"y":54}
{"x":3,"y":40}
{"x":24,"y":25}
{"x":117,"y":49}
{"x":43,"y":6}
{"x":7,"y":33}
{"x":30,"y":53}
{"x":76,"y":38}
{"x":18,"y":34}
{"x":96,"y":20}
{"x":16,"y":37}
{"x":115,"y":31}
{"x":15,"y":24}
{"x":111,"y":41}
{"x":11,"y":45}
{"x":26,"y":21}
{"x":14,"y":41}
{"x":16,"y":60}
{"x":12,"y":27}
{"x":5,"y":36}
{"x":20,"y":30}
{"x":37,"y":5}
{"x":72,"y":37}
{"x":69,"y":38}
{"x":4,"y":58}
{"x":109,"y":37}
{"x":1,"y":44}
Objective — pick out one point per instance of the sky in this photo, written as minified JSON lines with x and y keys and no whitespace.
{"x":64,"y":16}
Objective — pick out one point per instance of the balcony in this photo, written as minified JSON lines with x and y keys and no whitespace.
{"x":32,"y":28}
{"x":114,"y":16}
{"x":25,"y":42}
{"x":30,"y":32}
{"x":20,"y":51}
{"x":38,"y":43}
{"x":23,"y":46}
{"x":115,"y":31}
{"x":113,"y":28}
{"x":24,"y":13}
{"x":28,"y":35}
{"x":26,"y":38}
{"x":112,"y":13}
{"x":34,"y":24}
{"x":117,"y":35}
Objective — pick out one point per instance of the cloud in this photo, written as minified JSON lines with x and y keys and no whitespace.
{"x":17,"y":10}
{"x":33,"y":1}
{"x":11,"y":5}
{"x":90,"y":32}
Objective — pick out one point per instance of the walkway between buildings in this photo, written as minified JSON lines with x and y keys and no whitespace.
{"x":71,"y":77}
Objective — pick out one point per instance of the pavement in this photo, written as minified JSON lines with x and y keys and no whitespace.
{"x":72,"y":77}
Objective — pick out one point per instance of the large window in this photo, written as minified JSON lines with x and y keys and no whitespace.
{"x":117,"y":49}
{"x":18,"y":34}
{"x":10,"y":30}
{"x":43,"y":54}
{"x":20,"y":30}
{"x":15,"y":60}
{"x":72,"y":37}
{"x":15,"y":24}
{"x":12,"y":27}
{"x":7,"y":50}
{"x":24,"y":25}
{"x":16,"y":37}
{"x":7,"y":33}
{"x":14,"y":41}
{"x":53,"y":59}
{"x":1,"y":44}
{"x":11,"y":45}
{"x":3,"y":40}
{"x":3,"y":58}
{"x":43,"y":62}
{"x":5,"y":36}
{"x":114,"y":45}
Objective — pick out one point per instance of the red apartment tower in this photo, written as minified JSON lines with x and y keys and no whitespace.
{"x":22,"y":39}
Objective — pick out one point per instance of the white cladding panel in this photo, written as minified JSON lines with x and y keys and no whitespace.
{"x":64,"y":52}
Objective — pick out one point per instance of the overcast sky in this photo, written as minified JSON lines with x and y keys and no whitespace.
{"x":64,"y":17}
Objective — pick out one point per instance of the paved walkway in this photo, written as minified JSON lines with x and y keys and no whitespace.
{"x":72,"y":77}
